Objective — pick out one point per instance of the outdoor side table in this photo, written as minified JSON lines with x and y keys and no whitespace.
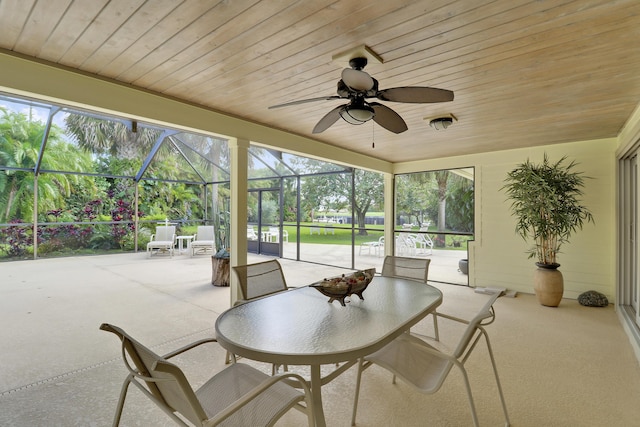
{"x":182,"y":239}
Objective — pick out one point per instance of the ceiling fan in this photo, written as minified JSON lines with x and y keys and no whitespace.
{"x":357,"y":86}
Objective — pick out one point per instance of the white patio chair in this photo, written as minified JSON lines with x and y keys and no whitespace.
{"x":164,"y":240}
{"x":257,"y":281}
{"x":260,"y":279}
{"x":407,"y":268}
{"x":239,"y":395}
{"x":410,"y":268}
{"x":425,"y":368}
{"x":203,"y":240}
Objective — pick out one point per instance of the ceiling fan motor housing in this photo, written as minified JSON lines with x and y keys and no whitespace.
{"x":358,"y":63}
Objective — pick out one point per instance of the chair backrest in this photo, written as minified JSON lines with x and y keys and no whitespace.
{"x":204,"y":232}
{"x":406,"y":268}
{"x":260,"y":279}
{"x":165,"y":381}
{"x":165,"y":233}
{"x":485,"y":312}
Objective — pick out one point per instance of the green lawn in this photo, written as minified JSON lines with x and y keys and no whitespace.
{"x":342,"y":236}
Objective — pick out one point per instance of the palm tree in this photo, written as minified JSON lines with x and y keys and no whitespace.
{"x":102,"y":136}
{"x":20,"y":143}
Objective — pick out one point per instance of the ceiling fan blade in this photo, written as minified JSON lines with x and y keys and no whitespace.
{"x":387,"y":118}
{"x":357,"y":79}
{"x":415,"y":94}
{"x":330,"y":118}
{"x":304,"y":101}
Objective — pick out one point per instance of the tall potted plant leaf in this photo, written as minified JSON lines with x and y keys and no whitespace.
{"x":546,"y":200}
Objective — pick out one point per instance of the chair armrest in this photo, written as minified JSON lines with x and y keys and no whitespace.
{"x":489,"y":320}
{"x":446,"y":316}
{"x":286,"y":377}
{"x":189,"y":347}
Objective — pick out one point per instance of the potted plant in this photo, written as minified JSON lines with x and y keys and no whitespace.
{"x":546,"y":200}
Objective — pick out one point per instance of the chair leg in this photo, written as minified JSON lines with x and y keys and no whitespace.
{"x":495,"y":372}
{"x":435,"y":326}
{"x":123,"y":395}
{"x":474,"y":415}
{"x":355,"y":399}
{"x":275,"y":368}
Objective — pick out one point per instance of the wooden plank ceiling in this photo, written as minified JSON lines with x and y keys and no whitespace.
{"x":524,"y":73}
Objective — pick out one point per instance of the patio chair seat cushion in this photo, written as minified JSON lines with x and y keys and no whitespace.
{"x":233,"y":382}
{"x":160,"y":244}
{"x":202,"y":243}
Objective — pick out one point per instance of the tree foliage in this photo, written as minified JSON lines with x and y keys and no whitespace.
{"x":102,"y":136}
{"x":333,"y":191}
{"x":21,"y":139}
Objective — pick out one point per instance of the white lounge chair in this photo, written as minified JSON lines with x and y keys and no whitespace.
{"x":405,"y":245}
{"x":424,"y":244}
{"x":203,"y":240}
{"x":273,"y":235}
{"x":251,"y":233}
{"x":164,"y":240}
{"x":377,"y":245}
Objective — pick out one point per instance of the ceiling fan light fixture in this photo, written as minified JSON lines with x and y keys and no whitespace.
{"x":357,"y":115}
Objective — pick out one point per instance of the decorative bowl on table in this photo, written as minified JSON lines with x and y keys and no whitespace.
{"x":338,"y":288}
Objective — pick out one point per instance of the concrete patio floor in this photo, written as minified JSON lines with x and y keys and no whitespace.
{"x":59,"y":369}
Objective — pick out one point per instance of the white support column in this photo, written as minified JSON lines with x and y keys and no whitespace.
{"x":389,"y":212}
{"x":239,"y":150}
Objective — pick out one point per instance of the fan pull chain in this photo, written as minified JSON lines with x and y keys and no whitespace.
{"x":373,"y":135}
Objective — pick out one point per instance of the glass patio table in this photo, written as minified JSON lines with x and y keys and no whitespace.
{"x":300,"y":327}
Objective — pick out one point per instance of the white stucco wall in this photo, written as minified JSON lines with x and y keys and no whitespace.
{"x":498,"y":258}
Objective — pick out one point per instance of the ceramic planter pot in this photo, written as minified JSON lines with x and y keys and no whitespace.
{"x":548,"y":284}
{"x":463,"y":266}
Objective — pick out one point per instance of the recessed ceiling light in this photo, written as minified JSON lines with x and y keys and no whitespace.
{"x":441,"y":122}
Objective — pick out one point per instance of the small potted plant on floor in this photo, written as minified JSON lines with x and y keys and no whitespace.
{"x":546,"y":200}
